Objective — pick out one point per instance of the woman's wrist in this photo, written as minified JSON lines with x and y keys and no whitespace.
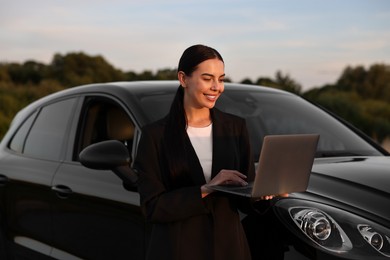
{"x":205,"y":191}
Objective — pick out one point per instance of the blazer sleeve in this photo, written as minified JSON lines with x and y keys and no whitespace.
{"x":159,"y":204}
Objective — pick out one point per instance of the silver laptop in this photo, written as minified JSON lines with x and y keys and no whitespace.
{"x":284,"y":166}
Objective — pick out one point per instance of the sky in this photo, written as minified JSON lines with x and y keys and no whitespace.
{"x":312,"y":41}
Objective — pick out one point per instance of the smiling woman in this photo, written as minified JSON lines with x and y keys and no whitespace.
{"x":194,"y":145}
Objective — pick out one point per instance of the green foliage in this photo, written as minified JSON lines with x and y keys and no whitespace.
{"x":78,"y":68}
{"x":247,"y":81}
{"x":164,"y":74}
{"x":377,"y":115}
{"x":4,"y":75}
{"x":361,"y":97}
{"x":281,"y":81}
{"x":4,"y":124}
{"x":372,"y":83}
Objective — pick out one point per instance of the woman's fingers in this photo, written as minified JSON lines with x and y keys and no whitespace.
{"x":229,"y":177}
{"x":270,"y":197}
{"x":234,"y":178}
{"x":236,"y":182}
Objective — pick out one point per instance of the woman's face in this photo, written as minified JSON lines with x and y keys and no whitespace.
{"x":203,"y":87}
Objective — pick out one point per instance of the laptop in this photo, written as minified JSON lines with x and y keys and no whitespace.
{"x":284,"y":166}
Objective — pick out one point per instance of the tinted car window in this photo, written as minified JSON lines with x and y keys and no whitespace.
{"x":104,"y":119}
{"x":155,"y":105}
{"x":47,"y":135}
{"x":17,"y":142}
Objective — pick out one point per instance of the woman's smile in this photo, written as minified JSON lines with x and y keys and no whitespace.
{"x":211,"y":97}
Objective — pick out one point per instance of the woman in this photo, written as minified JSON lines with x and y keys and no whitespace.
{"x":196,"y":144}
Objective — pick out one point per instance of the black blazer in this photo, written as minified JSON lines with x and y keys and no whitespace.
{"x":185,"y":226}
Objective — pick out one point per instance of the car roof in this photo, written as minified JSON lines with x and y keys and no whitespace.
{"x":127,"y":90}
{"x":137,"y":86}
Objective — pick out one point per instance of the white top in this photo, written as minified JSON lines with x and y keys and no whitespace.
{"x":201,"y":140}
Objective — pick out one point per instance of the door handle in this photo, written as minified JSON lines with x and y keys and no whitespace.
{"x":3,"y":180}
{"x":62,"y":191}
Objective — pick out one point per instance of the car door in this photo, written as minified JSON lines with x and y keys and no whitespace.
{"x":34,"y":154}
{"x":94,"y":216}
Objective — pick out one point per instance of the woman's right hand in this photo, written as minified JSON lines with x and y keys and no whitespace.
{"x":229,"y":177}
{"x":225,"y":177}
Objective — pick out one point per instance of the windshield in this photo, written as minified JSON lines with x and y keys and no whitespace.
{"x":272,"y":114}
{"x":269,"y":113}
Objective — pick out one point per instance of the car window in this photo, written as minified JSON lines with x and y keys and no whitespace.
{"x":104,"y":119}
{"x":17,"y":142}
{"x":49,"y":130}
{"x":160,"y":100}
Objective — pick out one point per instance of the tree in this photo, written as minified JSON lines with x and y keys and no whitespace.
{"x":361,"y":97}
{"x":78,"y":68}
{"x":285,"y":82}
{"x":281,"y":81}
{"x":263,"y":81}
{"x":247,"y":81}
{"x":371,"y":83}
{"x":4,"y":76}
{"x":28,"y":72}
{"x":166,"y":74}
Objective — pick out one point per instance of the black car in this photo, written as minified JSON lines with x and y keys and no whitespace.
{"x":53,"y":207}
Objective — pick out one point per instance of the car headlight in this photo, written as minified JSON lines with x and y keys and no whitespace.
{"x":334,"y":230}
{"x":321,"y":228}
{"x":378,"y":241}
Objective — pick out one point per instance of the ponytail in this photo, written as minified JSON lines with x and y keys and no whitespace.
{"x":175,"y":136}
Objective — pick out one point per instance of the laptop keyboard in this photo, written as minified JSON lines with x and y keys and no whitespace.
{"x":244,"y":189}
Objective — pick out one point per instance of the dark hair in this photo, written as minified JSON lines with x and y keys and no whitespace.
{"x":175,"y":130}
{"x":195,"y":55}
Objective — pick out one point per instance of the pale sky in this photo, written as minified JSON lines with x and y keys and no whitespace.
{"x":311,"y":40}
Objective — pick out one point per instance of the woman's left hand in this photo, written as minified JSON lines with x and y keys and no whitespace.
{"x":270,"y":197}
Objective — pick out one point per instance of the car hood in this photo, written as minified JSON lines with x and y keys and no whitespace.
{"x":363,"y":183}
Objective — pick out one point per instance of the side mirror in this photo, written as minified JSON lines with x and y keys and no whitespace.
{"x":110,"y":155}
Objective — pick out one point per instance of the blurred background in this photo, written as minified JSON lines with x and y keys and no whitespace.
{"x":334,"y":53}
